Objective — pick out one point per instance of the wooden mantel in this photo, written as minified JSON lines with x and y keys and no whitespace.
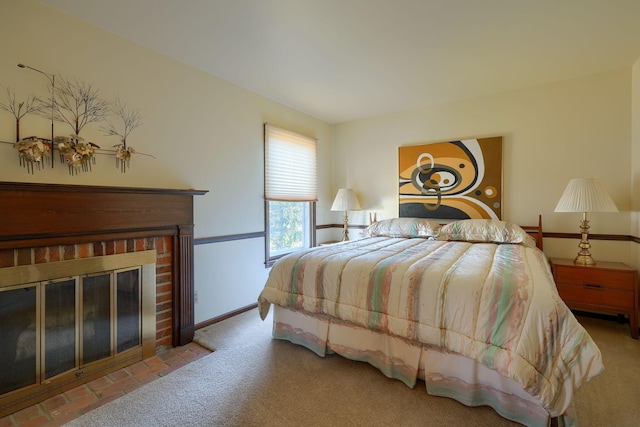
{"x":33,"y":215}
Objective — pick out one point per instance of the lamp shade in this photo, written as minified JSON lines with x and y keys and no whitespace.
{"x":585,"y":195}
{"x":345,"y":200}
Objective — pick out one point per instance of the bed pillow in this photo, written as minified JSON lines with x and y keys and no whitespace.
{"x":403,"y":227}
{"x":485,"y":230}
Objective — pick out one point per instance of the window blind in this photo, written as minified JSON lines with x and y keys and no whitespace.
{"x":290,"y":165}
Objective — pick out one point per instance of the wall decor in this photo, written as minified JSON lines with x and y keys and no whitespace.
{"x":451,"y":180}
{"x":75,"y":103}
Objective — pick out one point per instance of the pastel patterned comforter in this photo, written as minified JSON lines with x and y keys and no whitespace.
{"x":494,"y":303}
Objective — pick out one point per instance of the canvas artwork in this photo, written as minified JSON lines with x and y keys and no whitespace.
{"x":451,"y":180}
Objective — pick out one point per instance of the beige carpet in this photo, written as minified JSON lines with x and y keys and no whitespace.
{"x":252,"y":380}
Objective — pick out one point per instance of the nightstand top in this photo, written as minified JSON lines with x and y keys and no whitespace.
{"x":599,"y":264}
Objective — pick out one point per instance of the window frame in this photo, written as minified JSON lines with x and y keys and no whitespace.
{"x":310,"y":196}
{"x":271,"y":259}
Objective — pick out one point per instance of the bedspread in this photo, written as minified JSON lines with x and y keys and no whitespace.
{"x":494,"y":303}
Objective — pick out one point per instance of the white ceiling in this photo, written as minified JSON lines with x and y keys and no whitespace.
{"x":340,"y":60}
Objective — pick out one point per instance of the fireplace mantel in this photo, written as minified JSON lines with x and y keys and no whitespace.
{"x":33,"y":215}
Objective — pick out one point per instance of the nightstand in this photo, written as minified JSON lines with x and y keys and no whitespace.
{"x":609,"y":287}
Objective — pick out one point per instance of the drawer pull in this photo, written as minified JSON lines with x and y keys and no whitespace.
{"x":593,"y":286}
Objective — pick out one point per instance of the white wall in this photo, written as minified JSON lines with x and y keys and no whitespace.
{"x":552,"y":133}
{"x":635,"y":158}
{"x":205,"y":133}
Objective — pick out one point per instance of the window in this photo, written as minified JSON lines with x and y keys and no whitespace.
{"x":290,"y":191}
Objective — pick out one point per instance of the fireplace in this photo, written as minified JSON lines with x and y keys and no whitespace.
{"x":101,"y":277}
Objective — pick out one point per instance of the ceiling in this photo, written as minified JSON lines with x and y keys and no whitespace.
{"x":341,"y":60}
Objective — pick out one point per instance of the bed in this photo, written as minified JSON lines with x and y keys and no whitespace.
{"x":469,"y":307}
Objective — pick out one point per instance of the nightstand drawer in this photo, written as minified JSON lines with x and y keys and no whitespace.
{"x":591,"y":294}
{"x":593,"y":276}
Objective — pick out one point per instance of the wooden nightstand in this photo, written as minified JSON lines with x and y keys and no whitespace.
{"x":609,"y":287}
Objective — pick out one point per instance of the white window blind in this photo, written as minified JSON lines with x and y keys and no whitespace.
{"x":290,"y":165}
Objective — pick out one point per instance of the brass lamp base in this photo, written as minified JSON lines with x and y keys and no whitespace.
{"x":584,"y":260}
{"x":345,"y":233}
{"x":584,"y":257}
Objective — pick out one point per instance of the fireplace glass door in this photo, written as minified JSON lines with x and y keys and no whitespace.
{"x":20,"y":349}
{"x":128,"y":316}
{"x":60,"y":338}
{"x":96,"y":317}
{"x":80,"y":320}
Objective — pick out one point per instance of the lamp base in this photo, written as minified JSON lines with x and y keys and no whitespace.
{"x":345,"y":232}
{"x":582,"y":259}
{"x":584,"y":256}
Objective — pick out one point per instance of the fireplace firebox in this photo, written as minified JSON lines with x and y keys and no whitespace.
{"x":91,"y":279}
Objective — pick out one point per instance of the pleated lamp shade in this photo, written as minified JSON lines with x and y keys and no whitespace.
{"x":345,"y":200}
{"x":585,"y":195}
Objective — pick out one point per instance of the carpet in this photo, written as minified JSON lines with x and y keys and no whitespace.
{"x":253,"y":380}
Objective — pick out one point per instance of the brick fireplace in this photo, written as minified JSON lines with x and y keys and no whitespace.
{"x":50,"y":223}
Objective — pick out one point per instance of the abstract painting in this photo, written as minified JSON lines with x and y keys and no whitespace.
{"x":451,"y":180}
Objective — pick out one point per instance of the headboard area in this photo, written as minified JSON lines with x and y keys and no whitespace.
{"x":535,"y":231}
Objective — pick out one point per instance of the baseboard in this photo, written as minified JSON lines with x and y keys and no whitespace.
{"x":225,"y":316}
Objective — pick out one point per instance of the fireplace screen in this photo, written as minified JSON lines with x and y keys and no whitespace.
{"x":128,"y":313}
{"x":20,"y":349}
{"x":96,"y":317}
{"x":60,"y":326}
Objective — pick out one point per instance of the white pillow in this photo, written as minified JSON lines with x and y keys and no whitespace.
{"x":403,"y":227}
{"x":485,"y":230}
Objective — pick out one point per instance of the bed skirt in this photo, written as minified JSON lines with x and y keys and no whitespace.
{"x":445,"y":373}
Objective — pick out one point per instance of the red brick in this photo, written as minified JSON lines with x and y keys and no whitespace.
{"x":165,"y":306}
{"x":163,"y":341}
{"x":136,"y":368}
{"x":140,"y":244}
{"x":110,"y":247}
{"x":100,"y":383}
{"x":163,"y":278}
{"x":84,"y":250}
{"x":98,"y":249}
{"x":63,"y":419}
{"x":163,"y":315}
{"x":118,"y":388}
{"x":23,"y":256}
{"x":163,"y":324}
{"x":154,"y":361}
{"x":73,"y":406}
{"x":131,"y":245}
{"x":6,"y":258}
{"x":78,"y":393}
{"x":121,"y":247}
{"x":149,"y":243}
{"x":27,"y":414}
{"x":164,"y":258}
{"x":103,"y":401}
{"x":162,"y":333}
{"x":53,"y":402}
{"x":179,"y":364}
{"x":54,"y":254}
{"x":6,"y":421}
{"x":181,"y":350}
{"x":161,"y":289}
{"x":160,"y":245}
{"x":69,"y":252}
{"x":163,"y":298}
{"x":168,"y":244}
{"x":36,"y":422}
{"x":41,"y":255}
{"x":118,"y":375}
